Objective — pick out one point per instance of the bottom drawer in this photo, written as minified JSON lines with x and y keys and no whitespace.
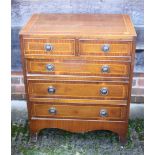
{"x":76,"y":111}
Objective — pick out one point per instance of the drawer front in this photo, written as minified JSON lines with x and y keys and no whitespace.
{"x":49,"y":47}
{"x":104,"y":48}
{"x":96,"y":90}
{"x":79,"y":68}
{"x":73,"y":111}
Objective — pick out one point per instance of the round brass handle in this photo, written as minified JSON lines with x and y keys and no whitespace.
{"x":105,"y":47}
{"x":52,"y":110}
{"x":51,"y":90}
{"x":104,"y":91}
{"x":103,"y":113}
{"x":48,"y":47}
{"x":105,"y":68}
{"x":50,"y":67}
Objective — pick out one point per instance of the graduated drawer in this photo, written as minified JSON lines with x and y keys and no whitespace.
{"x":105,"y":48}
{"x":74,"y":111}
{"x":78,"y":68}
{"x":49,"y":46}
{"x":72,"y":89}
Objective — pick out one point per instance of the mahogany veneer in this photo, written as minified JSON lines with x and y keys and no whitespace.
{"x":78,"y":71}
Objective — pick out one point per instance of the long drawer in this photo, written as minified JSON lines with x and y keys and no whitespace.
{"x":73,"y":111}
{"x":68,"y":67}
{"x":70,"y":89}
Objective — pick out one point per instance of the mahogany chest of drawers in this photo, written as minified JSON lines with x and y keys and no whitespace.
{"x":78,"y":71}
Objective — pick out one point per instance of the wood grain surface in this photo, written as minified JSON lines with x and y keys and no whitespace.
{"x":116,"y":25}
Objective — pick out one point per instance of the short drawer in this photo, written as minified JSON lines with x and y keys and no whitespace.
{"x":68,"y":89}
{"x":74,"y":111}
{"x":49,"y":47}
{"x":78,"y":68}
{"x":105,"y":48}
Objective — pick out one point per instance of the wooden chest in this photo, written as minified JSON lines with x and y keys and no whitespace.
{"x":78,"y":71}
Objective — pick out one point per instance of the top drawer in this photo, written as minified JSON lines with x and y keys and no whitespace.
{"x":49,"y":46}
{"x":105,"y":48}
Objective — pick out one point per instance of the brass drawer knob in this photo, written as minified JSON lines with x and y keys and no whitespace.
{"x":105,"y":69}
{"x":105,"y":47}
{"x":103,"y":113}
{"x":48,"y":47}
{"x":104,"y":91}
{"x":50,"y":67}
{"x":52,"y":110}
{"x":51,"y":90}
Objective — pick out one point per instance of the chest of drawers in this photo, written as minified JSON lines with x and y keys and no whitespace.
{"x":78,"y":71}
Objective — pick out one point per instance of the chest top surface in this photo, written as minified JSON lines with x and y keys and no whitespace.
{"x":80,"y":25}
